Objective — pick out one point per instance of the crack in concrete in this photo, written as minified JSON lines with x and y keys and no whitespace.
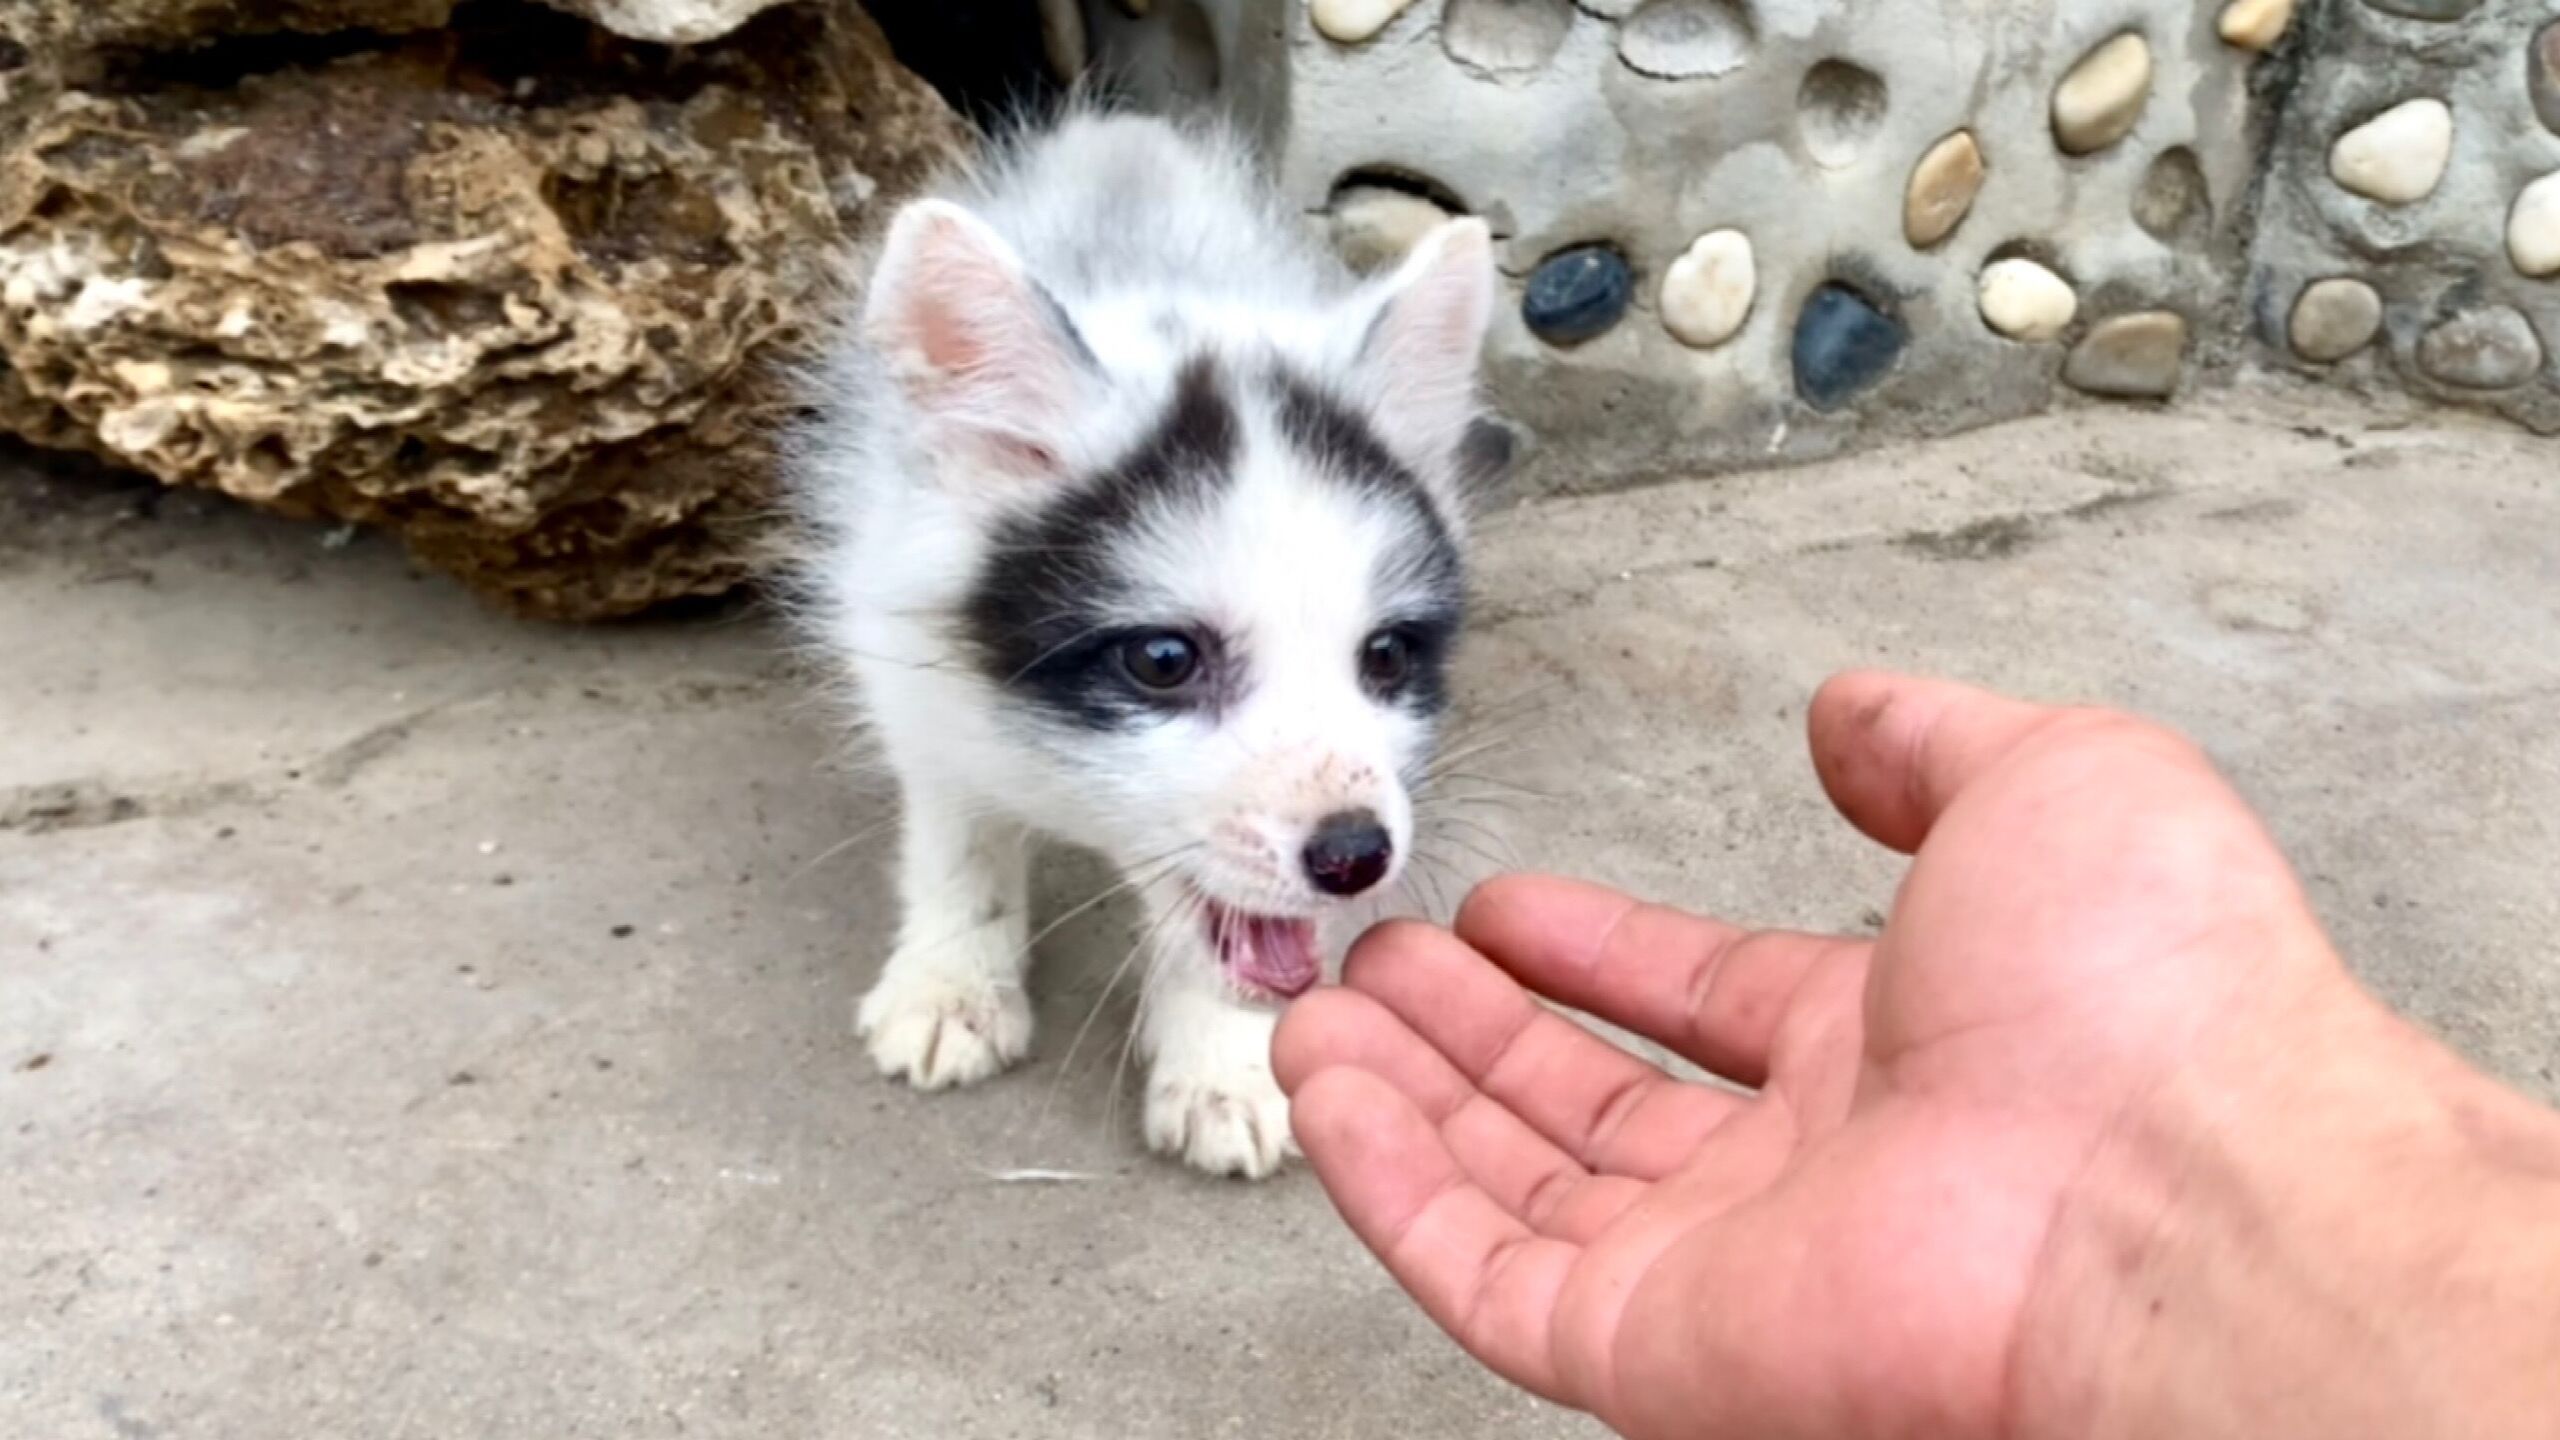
{"x":92,"y":802}
{"x":1990,"y":537}
{"x":1997,"y":537}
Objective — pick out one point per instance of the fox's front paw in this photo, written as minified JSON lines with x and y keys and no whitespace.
{"x":1226,"y":1119}
{"x":936,"y":1025}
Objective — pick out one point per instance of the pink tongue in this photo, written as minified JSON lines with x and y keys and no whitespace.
{"x":1277,"y":957}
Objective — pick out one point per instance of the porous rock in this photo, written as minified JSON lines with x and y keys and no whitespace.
{"x":80,"y":27}
{"x":513,"y":289}
{"x":76,"y":32}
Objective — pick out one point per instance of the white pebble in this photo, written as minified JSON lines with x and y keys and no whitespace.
{"x":2399,"y":156}
{"x":2533,"y":228}
{"x":2024,"y":301}
{"x":2335,"y":319}
{"x":1374,"y":227}
{"x":2256,"y":24}
{"x":1350,"y":22}
{"x":1708,"y":292}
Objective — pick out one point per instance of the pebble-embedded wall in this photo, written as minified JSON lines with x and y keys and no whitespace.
{"x":2411,"y":228}
{"x":1750,"y":231}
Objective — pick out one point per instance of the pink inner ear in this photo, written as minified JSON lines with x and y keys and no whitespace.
{"x":1442,"y":313}
{"x":960,"y":301}
{"x":1431,"y":340}
{"x":957,"y":297}
{"x":945,"y":341}
{"x":974,"y":345}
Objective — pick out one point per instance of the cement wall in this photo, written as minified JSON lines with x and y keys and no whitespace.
{"x":2410,"y":234}
{"x":1743,"y":232}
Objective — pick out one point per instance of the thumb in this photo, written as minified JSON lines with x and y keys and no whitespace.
{"x":1894,"y":751}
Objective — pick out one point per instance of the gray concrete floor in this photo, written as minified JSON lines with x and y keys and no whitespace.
{"x":417,"y":1023}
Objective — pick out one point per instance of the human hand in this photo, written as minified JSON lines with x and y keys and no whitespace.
{"x":2099,"y":962}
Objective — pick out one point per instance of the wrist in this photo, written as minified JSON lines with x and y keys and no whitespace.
{"x":2334,"y":1228}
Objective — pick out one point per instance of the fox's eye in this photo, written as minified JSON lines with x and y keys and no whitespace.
{"x":1386,"y":661}
{"x":1161,"y":661}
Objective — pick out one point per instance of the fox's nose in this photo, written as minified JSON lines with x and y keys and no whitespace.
{"x":1349,"y":853}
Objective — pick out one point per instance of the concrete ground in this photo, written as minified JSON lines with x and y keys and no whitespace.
{"x":414,"y":1023}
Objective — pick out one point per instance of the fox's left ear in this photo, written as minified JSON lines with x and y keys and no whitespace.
{"x":1425,"y":341}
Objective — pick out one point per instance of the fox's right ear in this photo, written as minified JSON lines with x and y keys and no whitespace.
{"x":987,"y":358}
{"x":1425,"y":340}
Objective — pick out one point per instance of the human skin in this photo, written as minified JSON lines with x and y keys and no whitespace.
{"x":2098,"y":1138}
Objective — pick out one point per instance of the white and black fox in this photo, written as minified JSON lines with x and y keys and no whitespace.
{"x":1138,"y":522}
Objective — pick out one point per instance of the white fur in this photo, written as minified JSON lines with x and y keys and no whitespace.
{"x":949,"y":405}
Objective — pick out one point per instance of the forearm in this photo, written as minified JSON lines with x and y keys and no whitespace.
{"x":2344,"y":1232}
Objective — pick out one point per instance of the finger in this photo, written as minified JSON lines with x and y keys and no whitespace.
{"x":1475,"y":1269}
{"x":1332,"y":1028}
{"x":1713,"y":992}
{"x":1523,"y":1171}
{"x":1893,"y":752}
{"x":1611,"y":1112}
{"x":1526,"y":1174}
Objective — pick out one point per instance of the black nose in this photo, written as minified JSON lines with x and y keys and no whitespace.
{"x":1349,"y":853}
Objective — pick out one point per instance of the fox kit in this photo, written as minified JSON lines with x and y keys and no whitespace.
{"x":1137,"y":522}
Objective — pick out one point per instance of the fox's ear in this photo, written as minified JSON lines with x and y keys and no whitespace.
{"x":1425,"y":341}
{"x":987,"y":357}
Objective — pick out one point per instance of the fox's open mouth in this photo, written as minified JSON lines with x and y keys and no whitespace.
{"x":1271,"y":957}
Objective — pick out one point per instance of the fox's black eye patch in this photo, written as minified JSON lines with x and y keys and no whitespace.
{"x":1048,"y":617}
{"x":1406,"y":664}
{"x":1038,"y":621}
{"x":1424,"y":565}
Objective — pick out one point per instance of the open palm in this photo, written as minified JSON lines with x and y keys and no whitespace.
{"x":1855,"y":1245}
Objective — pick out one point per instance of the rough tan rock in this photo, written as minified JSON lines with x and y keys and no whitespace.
{"x":2133,"y":357}
{"x":527,"y":314}
{"x":2102,"y":99}
{"x":74,"y":26}
{"x":1942,"y":190}
{"x":80,"y":30}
